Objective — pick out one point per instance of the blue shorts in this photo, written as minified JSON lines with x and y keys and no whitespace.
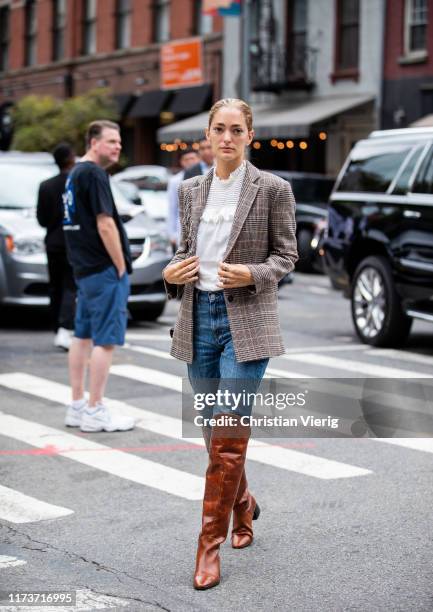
{"x":102,"y":313}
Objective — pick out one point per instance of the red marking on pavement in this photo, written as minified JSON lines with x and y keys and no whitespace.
{"x":47,"y":450}
{"x":51,"y":450}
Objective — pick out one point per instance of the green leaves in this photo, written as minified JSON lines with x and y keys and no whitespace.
{"x":41,"y":122}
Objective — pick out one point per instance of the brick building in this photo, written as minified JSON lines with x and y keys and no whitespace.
{"x":66,"y":47}
{"x":408,"y":63}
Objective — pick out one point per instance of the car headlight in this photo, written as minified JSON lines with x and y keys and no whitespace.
{"x":25,"y":246}
{"x":157,"y":244}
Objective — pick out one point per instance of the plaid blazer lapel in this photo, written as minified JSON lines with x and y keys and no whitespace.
{"x":246,"y":199}
{"x":198,"y":202}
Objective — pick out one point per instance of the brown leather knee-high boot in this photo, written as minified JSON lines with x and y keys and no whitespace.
{"x":245,"y":509}
{"x":228,"y":447}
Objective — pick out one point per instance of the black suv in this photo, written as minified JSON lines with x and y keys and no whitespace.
{"x":311,"y":193}
{"x":379,"y":243}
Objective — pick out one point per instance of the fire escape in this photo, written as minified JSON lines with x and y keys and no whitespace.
{"x":276,"y":67}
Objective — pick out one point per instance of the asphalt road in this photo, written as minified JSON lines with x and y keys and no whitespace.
{"x":345,"y":524}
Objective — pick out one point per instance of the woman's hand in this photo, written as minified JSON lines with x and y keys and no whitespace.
{"x":182,"y":272}
{"x":234,"y":275}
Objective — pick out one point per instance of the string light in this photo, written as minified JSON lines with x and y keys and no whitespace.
{"x":256,"y":145}
{"x":323,"y":135}
{"x":303,"y":145}
{"x":290,"y":144}
{"x":280,"y":145}
{"x":274,"y":142}
{"x":163,"y":146}
{"x":183,"y":146}
{"x":195,"y":146}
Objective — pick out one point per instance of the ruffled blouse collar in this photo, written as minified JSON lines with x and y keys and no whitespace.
{"x":232,"y":177}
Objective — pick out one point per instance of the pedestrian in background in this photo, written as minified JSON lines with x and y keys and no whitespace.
{"x":98,"y":250}
{"x":49,"y":213}
{"x":206,"y":160}
{"x":237,"y":241}
{"x":188,"y":157}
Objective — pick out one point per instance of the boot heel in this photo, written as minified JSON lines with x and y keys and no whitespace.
{"x":256,"y":512}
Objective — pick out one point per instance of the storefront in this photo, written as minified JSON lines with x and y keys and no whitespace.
{"x":314,"y":135}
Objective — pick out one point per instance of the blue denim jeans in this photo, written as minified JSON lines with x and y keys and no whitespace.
{"x":214,"y":367}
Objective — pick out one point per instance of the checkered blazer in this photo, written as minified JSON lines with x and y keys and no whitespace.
{"x":263,"y":238}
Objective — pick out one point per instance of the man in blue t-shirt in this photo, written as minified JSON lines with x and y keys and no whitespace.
{"x":98,"y":251}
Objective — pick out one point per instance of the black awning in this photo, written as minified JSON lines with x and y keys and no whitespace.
{"x":123,"y":103}
{"x":149,"y":104}
{"x":191,"y":100}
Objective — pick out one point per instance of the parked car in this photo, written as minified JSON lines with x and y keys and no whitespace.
{"x":379,"y":243}
{"x":23,"y":263}
{"x":151,"y":182}
{"x":311,"y":193}
{"x":130,"y":191}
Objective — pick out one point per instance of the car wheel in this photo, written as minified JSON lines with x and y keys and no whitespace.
{"x":148,"y":312}
{"x":305,"y":252}
{"x":376,"y":307}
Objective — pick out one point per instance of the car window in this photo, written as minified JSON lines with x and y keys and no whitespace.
{"x":311,"y":190}
{"x":373,"y":167}
{"x":402,"y":184}
{"x":19,"y":183}
{"x":149,"y":183}
{"x":424,"y":180}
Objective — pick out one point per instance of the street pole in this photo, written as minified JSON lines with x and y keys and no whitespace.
{"x":245,"y":54}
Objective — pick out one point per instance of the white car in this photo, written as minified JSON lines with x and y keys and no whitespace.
{"x":23,"y":262}
{"x":152,"y":184}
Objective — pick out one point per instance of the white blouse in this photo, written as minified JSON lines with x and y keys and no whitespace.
{"x":215,"y":226}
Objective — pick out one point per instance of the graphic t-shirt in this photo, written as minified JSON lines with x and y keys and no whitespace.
{"x":88,"y":194}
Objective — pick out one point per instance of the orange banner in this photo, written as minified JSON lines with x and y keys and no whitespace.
{"x":210,"y":6}
{"x":181,"y":64}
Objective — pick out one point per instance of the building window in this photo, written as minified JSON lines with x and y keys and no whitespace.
{"x":297,"y":41}
{"x":202,"y":24}
{"x":416,"y":27}
{"x":161,"y":20}
{"x":30,"y":33}
{"x":89,"y":27}
{"x":123,"y":24}
{"x":347,"y":56}
{"x":4,"y":38}
{"x":59,"y":21}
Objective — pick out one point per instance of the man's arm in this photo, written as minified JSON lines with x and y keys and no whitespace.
{"x":41,"y":207}
{"x":109,"y":234}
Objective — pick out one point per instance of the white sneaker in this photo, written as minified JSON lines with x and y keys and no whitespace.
{"x":101,"y":420}
{"x":63,"y":338}
{"x":74,"y":413}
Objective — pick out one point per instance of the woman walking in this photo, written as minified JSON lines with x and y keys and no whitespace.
{"x":238,"y":240}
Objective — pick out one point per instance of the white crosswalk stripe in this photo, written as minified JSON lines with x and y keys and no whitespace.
{"x":149,"y":376}
{"x":401,"y":356}
{"x":328,"y":348}
{"x":16,"y":507}
{"x":357,"y":367}
{"x":144,"y":350}
{"x":143,"y":336}
{"x":7,"y":561}
{"x":420,"y":444}
{"x":105,"y":458}
{"x":268,"y":454}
